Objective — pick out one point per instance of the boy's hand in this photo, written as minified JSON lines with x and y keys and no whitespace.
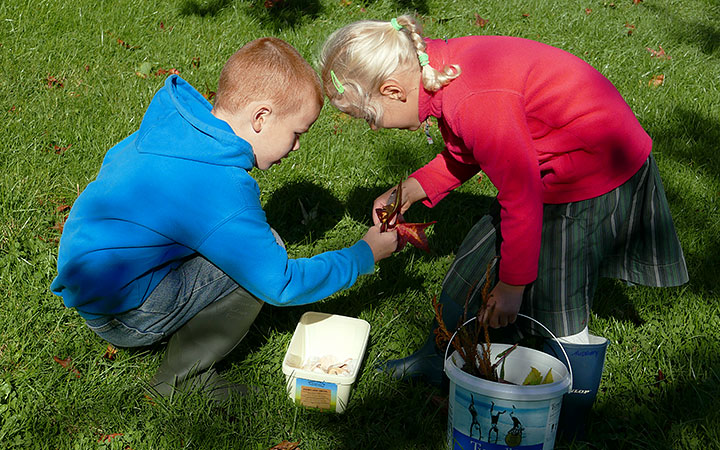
{"x":503,"y":305}
{"x":382,"y":244}
{"x":412,"y":192}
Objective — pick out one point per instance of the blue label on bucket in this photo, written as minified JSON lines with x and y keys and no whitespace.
{"x":477,"y":422}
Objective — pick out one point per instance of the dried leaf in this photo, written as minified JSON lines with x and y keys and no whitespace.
{"x":67,"y":363}
{"x":285,"y":445}
{"x":110,"y":353}
{"x":630,"y":28}
{"x":637,"y":2}
{"x":658,"y":53}
{"x":479,"y":21}
{"x":108,"y":437}
{"x":657,"y":80}
{"x":54,"y":82}
{"x":195,"y":62}
{"x":588,"y":11}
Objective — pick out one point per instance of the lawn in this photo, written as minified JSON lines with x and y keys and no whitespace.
{"x":75,"y":78}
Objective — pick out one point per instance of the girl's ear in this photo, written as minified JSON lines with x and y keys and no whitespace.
{"x":393,"y":90}
{"x":259,"y":118}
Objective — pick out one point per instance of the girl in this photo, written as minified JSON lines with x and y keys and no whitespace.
{"x":579,"y":195}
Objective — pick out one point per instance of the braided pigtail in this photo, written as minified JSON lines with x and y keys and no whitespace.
{"x":432,"y":78}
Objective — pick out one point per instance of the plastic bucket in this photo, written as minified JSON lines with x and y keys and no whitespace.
{"x":489,"y":415}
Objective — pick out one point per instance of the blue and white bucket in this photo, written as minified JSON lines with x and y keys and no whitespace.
{"x":489,"y":415}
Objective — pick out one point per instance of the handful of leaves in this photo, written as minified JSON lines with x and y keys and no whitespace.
{"x":391,"y":219}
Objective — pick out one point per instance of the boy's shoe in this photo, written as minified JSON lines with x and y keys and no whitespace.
{"x":202,"y":342}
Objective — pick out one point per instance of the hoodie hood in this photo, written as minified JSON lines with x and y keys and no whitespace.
{"x":180,"y":107}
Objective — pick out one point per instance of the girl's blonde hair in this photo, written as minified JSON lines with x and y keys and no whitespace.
{"x":358,"y":58}
{"x":267,"y":69}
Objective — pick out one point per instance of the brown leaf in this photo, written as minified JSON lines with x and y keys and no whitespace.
{"x":108,"y":437}
{"x":285,"y":445}
{"x":657,"y":80}
{"x":54,"y":82}
{"x":630,"y":28}
{"x":67,"y":363}
{"x":479,"y":21}
{"x":588,"y":11}
{"x":657,"y":53}
{"x":637,"y":2}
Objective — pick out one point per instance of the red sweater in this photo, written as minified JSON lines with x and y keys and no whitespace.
{"x":542,"y":124}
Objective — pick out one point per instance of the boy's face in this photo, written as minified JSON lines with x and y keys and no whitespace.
{"x":280,"y":134}
{"x":271,"y":134}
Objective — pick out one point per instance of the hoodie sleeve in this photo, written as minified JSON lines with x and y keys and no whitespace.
{"x":245,"y":248}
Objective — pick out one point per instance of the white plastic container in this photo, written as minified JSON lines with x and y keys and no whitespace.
{"x":316,"y":335}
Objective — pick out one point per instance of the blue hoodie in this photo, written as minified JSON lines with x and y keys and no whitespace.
{"x":180,"y":186}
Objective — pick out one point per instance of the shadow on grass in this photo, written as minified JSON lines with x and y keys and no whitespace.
{"x":689,"y":139}
{"x":301,"y":210}
{"x":285,"y":13}
{"x":203,"y":8}
{"x":703,"y":34}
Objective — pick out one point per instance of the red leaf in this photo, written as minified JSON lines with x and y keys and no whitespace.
{"x":630,"y":28}
{"x":285,"y":445}
{"x":60,"y":150}
{"x":67,"y":363}
{"x":637,"y":2}
{"x":413,"y":233}
{"x":588,"y":11}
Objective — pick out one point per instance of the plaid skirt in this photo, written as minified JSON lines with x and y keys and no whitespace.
{"x":627,"y":233}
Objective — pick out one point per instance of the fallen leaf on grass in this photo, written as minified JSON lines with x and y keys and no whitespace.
{"x":637,"y":2}
{"x":479,"y":21}
{"x":630,"y":28}
{"x":108,"y":437}
{"x":285,"y":445}
{"x":588,"y":11}
{"x":54,"y":82}
{"x":67,"y":363}
{"x":660,"y":377}
{"x":660,"y":54}
{"x":110,"y":353}
{"x":657,"y":80}
{"x":60,"y":150}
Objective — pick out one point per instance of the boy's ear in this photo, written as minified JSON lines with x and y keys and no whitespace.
{"x":260,"y":116}
{"x":393,"y":90}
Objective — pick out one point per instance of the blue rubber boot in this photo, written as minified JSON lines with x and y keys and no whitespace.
{"x":427,"y":363}
{"x":587,"y":362}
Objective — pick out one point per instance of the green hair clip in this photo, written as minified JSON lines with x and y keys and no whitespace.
{"x":395,"y":24}
{"x":423,"y":58}
{"x":340,"y":88}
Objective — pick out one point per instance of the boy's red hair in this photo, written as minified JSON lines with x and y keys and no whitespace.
{"x":267,"y":69}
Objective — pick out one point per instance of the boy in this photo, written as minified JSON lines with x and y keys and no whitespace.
{"x":171,"y":239}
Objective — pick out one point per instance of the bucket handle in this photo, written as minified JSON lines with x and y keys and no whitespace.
{"x":534,"y":320}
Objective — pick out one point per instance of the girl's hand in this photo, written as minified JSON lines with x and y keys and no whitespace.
{"x":411,"y":192}
{"x":382,"y":244}
{"x":503,"y":305}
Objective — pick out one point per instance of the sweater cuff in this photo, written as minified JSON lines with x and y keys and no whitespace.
{"x":364,"y":255}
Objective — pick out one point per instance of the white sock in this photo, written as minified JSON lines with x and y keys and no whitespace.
{"x":582,"y":337}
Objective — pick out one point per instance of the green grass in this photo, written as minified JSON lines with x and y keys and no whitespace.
{"x":342,"y":167}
